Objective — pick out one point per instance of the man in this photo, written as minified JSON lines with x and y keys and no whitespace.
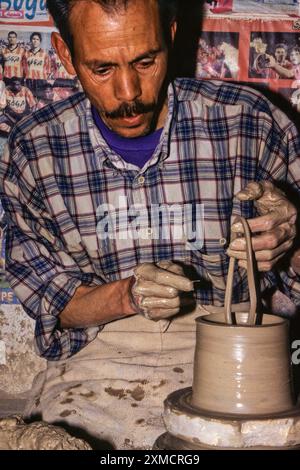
{"x":82,"y":178}
{"x":37,"y":65}
{"x":19,"y":101}
{"x":267,"y":69}
{"x":12,"y":58}
{"x":290,"y":71}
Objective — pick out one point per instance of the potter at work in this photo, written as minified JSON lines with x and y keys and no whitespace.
{"x":96,"y":252}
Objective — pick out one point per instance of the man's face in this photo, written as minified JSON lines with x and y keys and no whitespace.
{"x":12,"y":39}
{"x":280,"y":55}
{"x":295,"y":57}
{"x":15,"y":86}
{"x":35,"y":41}
{"x":121,"y":61}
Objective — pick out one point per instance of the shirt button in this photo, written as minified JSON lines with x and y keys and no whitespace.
{"x":223,"y":241}
{"x":141,"y":180}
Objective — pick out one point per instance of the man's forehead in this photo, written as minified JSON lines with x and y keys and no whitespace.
{"x":137,"y":18}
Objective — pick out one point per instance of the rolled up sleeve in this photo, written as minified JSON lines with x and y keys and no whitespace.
{"x":42,"y":272}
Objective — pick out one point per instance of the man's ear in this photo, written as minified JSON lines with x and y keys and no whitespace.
{"x":173,"y":31}
{"x":63,"y":52}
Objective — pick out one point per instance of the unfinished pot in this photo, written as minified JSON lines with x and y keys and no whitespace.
{"x":241,"y":369}
{"x":242,"y":361}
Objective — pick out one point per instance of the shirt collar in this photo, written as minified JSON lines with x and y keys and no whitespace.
{"x":104,"y":152}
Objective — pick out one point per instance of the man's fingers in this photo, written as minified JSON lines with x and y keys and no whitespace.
{"x":268,"y":240}
{"x":158,"y":302}
{"x":152,"y":289}
{"x":173,"y":267}
{"x":262,"y":266}
{"x":157,"y":314}
{"x":150,"y":272}
{"x":265,"y":222}
{"x":263,"y":255}
{"x":251,"y":192}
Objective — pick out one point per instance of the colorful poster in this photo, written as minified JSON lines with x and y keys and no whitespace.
{"x":31,"y":73}
{"x":260,"y":52}
{"x":256,"y":7}
{"x":24,"y":11}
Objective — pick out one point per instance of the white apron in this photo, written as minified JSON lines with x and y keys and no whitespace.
{"x":114,"y":388}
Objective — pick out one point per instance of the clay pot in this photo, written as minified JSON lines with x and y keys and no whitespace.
{"x":241,"y":369}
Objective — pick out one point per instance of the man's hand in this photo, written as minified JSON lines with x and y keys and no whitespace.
{"x":156,"y":291}
{"x":274,"y":231}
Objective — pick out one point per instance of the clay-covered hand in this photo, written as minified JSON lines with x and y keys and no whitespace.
{"x":157,"y":287}
{"x":273,"y":231}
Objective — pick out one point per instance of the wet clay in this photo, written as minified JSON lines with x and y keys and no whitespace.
{"x":242,"y":361}
{"x":157,"y":287}
{"x":16,"y":435}
{"x":240,"y":369}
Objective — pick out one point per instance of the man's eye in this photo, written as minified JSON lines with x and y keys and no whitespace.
{"x":103,"y":71}
{"x":144,"y":64}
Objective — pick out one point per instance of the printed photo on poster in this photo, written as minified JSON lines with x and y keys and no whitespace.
{"x":292,"y":96}
{"x":218,"y":55}
{"x":275,"y":55}
{"x":14,"y":11}
{"x":31,"y":74}
{"x":258,"y":7}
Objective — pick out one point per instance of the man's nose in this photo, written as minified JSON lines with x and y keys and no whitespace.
{"x":127,"y":85}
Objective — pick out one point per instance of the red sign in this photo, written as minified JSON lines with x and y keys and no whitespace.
{"x":12,"y":14}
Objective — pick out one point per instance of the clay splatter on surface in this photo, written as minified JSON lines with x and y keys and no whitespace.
{"x":87,"y":395}
{"x":67,"y":401}
{"x":66,"y":413}
{"x":138,"y":393}
{"x":140,"y":421}
{"x":116,"y":392}
{"x":178,"y":370}
{"x":161,"y":384}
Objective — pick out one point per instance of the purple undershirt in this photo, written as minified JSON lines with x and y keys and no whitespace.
{"x":137,"y":150}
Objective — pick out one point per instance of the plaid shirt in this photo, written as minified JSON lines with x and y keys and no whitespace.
{"x":57,"y":171}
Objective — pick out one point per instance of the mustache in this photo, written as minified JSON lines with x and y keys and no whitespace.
{"x":126,"y":110}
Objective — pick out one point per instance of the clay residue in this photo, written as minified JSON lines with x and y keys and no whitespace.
{"x":140,"y":421}
{"x":178,"y":370}
{"x":116,"y":392}
{"x":66,"y":413}
{"x":161,"y":384}
{"x":87,"y":395}
{"x":138,"y":393}
{"x":67,"y":401}
{"x":16,"y":435}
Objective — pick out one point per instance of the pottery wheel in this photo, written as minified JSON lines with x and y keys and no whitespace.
{"x":191,"y":428}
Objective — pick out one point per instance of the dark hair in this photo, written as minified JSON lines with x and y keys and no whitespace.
{"x":60,"y":12}
{"x":295,"y":49}
{"x":12,"y":32}
{"x":36,"y":34}
{"x":281,"y":45}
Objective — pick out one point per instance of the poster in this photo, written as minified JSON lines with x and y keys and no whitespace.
{"x":31,"y":74}
{"x":263,"y":53}
{"x":256,"y":7}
